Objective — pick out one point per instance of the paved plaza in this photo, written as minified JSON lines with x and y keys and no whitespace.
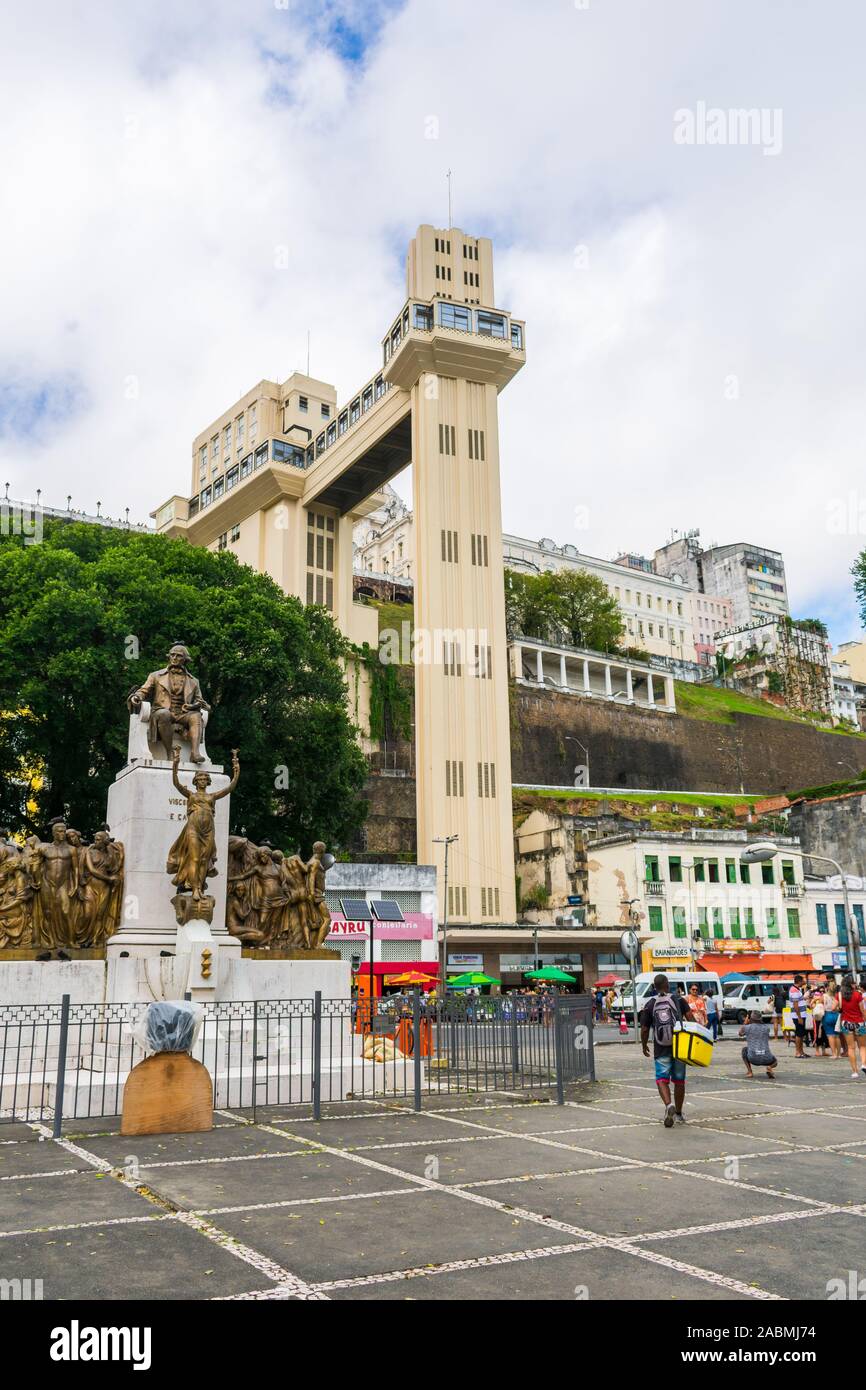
{"x":761,"y":1195}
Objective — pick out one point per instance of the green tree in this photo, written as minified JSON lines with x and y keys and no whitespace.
{"x":568,"y":605}
{"x":528,"y":604}
{"x":585,"y":610}
{"x":85,"y":614}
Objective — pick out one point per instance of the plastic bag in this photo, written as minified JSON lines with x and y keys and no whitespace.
{"x":168,"y":1026}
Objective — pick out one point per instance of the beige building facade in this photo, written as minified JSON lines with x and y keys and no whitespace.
{"x":853,"y":654}
{"x":285,"y":474}
{"x":661,"y":616}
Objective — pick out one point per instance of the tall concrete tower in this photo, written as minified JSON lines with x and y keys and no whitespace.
{"x":455,"y":357}
{"x":282,"y":475}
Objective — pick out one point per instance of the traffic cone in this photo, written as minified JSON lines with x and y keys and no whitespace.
{"x":623,"y":1026}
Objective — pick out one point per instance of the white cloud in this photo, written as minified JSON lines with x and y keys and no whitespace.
{"x":156,"y":157}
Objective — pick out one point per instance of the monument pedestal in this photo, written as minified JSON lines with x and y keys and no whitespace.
{"x":150,"y":956}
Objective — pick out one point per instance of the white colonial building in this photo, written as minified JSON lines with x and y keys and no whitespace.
{"x":688,"y":893}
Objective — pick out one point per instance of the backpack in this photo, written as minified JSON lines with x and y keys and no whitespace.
{"x":665,"y":1015}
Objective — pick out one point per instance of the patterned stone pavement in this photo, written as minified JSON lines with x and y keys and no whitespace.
{"x":761,"y":1195}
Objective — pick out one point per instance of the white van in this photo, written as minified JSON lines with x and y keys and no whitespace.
{"x":707,"y":982}
{"x":743,"y":997}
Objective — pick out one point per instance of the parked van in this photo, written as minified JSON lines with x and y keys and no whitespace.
{"x":743,"y":997}
{"x":707,"y":982}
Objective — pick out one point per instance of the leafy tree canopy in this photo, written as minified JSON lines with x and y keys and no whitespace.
{"x":567,"y":605}
{"x":86,"y":613}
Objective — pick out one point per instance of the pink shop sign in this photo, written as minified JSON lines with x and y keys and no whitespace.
{"x":418,"y":926}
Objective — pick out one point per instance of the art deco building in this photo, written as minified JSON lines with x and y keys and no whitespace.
{"x":284,"y":474}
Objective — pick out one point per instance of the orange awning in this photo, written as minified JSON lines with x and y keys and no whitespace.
{"x":750,"y":963}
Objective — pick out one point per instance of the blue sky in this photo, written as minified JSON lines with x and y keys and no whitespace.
{"x":188,"y":191}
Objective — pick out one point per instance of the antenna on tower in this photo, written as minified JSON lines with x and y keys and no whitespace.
{"x":450,"y":220}
{"x":308,"y":352}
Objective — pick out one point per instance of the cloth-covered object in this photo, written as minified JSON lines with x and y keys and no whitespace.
{"x":168,"y":1026}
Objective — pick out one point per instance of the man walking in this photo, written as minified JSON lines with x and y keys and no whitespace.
{"x":661,"y":1014}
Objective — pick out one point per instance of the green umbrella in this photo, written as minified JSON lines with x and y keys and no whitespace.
{"x":471,"y":979}
{"x":550,"y":972}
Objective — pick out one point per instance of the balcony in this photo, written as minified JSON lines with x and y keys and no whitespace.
{"x":654,"y":888}
{"x":792,"y":890}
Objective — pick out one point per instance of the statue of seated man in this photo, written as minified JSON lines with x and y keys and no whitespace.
{"x":176,"y":704}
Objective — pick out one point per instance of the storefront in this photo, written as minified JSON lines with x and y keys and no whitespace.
{"x":666,"y":958}
{"x":398,"y":947}
{"x":506,"y":953}
{"x":763,"y":963}
{"x":515,"y":965}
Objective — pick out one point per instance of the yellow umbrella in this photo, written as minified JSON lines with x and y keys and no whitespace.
{"x":409,"y":977}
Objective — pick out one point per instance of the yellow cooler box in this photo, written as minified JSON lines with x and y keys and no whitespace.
{"x":693,"y":1044}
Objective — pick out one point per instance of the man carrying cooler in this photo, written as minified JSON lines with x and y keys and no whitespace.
{"x":661,"y":1014}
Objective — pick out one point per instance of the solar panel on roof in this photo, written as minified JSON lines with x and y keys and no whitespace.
{"x":384,"y":910}
{"x":356,"y":909}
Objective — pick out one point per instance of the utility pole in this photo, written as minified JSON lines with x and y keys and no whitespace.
{"x":445,"y":840}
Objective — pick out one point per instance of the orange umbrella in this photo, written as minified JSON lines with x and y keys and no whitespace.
{"x":409,"y":977}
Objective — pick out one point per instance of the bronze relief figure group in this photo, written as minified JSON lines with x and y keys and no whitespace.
{"x":277,"y":900}
{"x":61,"y":892}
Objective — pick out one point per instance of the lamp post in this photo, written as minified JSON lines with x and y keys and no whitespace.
{"x":569,"y":738}
{"x":445,"y":840}
{"x":766,"y":850}
{"x":630,"y":940}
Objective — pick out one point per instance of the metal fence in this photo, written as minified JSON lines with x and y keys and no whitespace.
{"x":70,"y":1061}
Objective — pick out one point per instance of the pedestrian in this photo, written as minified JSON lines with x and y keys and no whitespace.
{"x":757,"y":1050}
{"x":797,"y":1005}
{"x":831,"y":1017}
{"x":816,"y":1004}
{"x":852,"y":1020}
{"x":662,"y":1013}
{"x":778,"y":1006}
{"x":712,"y":1014}
{"x":697,"y":1005}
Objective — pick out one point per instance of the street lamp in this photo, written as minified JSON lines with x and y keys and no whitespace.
{"x":634,"y":918}
{"x":765,"y":850}
{"x":445,"y":840}
{"x":569,"y":738}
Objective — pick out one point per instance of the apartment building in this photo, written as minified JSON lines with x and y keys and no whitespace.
{"x":689,"y":893}
{"x":750,"y":576}
{"x":824,"y":915}
{"x":854,"y":656}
